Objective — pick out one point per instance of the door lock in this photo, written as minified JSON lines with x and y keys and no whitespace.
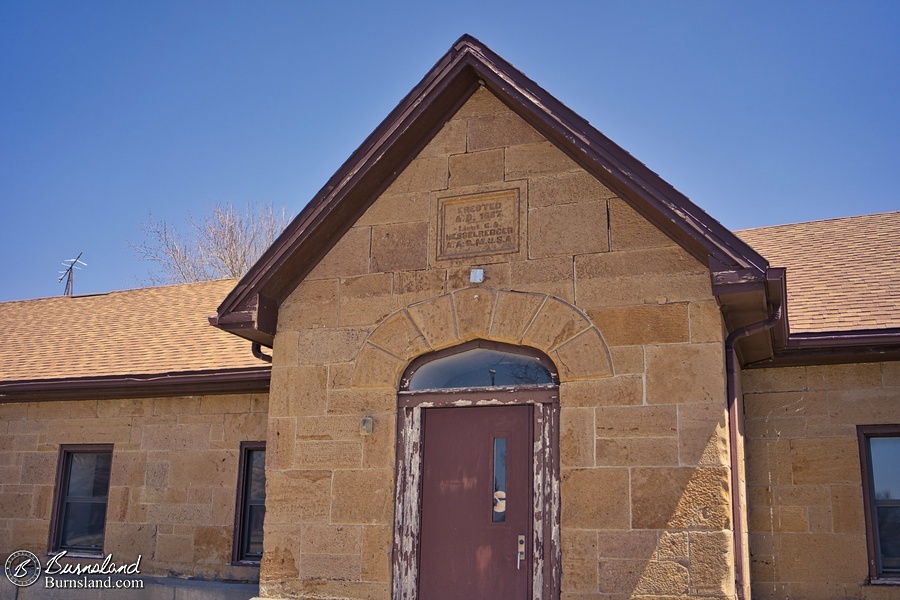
{"x":520,"y":554}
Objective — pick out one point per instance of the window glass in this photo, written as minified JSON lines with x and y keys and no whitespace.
{"x":82,"y":499}
{"x":885,"y":457}
{"x":480,"y":367}
{"x":251,"y":510}
{"x":498,"y":515}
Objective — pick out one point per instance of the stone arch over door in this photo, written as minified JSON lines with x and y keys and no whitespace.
{"x":541,"y":321}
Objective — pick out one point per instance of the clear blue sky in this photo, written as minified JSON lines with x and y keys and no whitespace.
{"x":761,"y":112}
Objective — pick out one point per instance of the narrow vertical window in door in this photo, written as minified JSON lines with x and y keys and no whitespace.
{"x":498,"y":514}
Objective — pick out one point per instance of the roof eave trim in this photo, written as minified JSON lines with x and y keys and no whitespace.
{"x":148,"y":385}
{"x":827,"y":347}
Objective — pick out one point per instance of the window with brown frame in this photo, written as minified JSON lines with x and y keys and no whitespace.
{"x":250,"y":510}
{"x":82,"y":489}
{"x":880,"y":456}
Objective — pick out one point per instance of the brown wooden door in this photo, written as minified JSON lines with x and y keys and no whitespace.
{"x":469,"y":538}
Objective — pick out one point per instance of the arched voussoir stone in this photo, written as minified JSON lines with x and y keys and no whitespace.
{"x":540,"y":321}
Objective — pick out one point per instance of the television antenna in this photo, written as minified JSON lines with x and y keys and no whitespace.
{"x":71,"y":265}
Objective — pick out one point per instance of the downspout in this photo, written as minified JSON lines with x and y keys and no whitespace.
{"x":258,"y":353}
{"x":741,"y":577}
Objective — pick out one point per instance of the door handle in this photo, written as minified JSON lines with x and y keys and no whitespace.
{"x":520,"y":553}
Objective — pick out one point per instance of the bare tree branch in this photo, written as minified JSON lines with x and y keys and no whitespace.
{"x":223,"y":244}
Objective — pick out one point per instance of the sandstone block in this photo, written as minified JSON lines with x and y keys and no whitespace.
{"x":348,"y":257}
{"x":323,"y":346}
{"x":339,"y":567}
{"x":567,"y":230}
{"x":579,"y":543}
{"x":174,"y":548}
{"x":298,"y":391}
{"x":415,"y":286}
{"x":45,"y":411}
{"x":331,"y":539}
{"x":553,"y":276}
{"x":421,"y":175}
{"x":166,"y":437}
{"x":499,"y":130}
{"x":476,"y":168}
{"x":327,"y":455}
{"x":619,"y":577}
{"x":832,"y":377}
{"x":342,"y":427}
{"x":626,"y":544}
{"x":555,"y":323}
{"x":380,"y":448}
{"x":281,"y":559}
{"x":474,"y":309}
{"x":847,"y":509}
{"x":636,"y":421}
{"x":672,"y":545}
{"x":817,"y":557}
{"x":583,"y":507}
{"x":436,"y":320}
{"x":629,"y":230}
{"x":212,"y":545}
{"x":376,"y":560}
{"x":647,"y":324}
{"x":664,"y":578}
{"x":280,"y":443}
{"x":691,"y":373}
{"x":579,"y":575}
{"x":138,"y":407}
{"x":396,"y":208}
{"x":631,"y":452}
{"x":294,"y":497}
{"x":539,"y":158}
{"x":481,"y":103}
{"x":513,"y":314}
{"x":712,"y":563}
{"x":214,"y":468}
{"x":786,"y":379}
{"x":702,"y":434}
{"x":567,"y":188}
{"x":375,"y":368}
{"x":769,"y":461}
{"x":365,"y":299}
{"x":706,"y":322}
{"x":451,"y":139}
{"x":583,"y":357}
{"x":784,"y":405}
{"x":401,"y":246}
{"x":314,"y":303}
{"x":829,"y":461}
{"x":680,"y":498}
{"x":360,"y":402}
{"x":890,"y":374}
{"x":363,"y":496}
{"x":627,"y":360}
{"x":340,"y":376}
{"x":863,"y":406}
{"x":398,"y":335}
{"x":576,"y":438}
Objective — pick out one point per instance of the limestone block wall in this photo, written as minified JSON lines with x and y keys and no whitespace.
{"x":807,"y":525}
{"x":627,"y":316}
{"x":172,"y":484}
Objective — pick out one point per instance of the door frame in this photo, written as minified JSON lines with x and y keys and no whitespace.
{"x":545,"y":551}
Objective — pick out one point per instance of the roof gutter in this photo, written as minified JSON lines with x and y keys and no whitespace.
{"x":152,"y":385}
{"x":741,"y":567}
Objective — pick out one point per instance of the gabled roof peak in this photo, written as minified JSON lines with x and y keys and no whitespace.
{"x":251,"y":308}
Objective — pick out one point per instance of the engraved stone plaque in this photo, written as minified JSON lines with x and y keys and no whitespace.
{"x":478,"y":225}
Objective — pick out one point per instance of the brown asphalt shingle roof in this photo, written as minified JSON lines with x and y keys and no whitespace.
{"x":842,"y":274}
{"x":143,"y":331}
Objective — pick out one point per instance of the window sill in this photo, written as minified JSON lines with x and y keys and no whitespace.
{"x":885,"y":581}
{"x":78,"y":554}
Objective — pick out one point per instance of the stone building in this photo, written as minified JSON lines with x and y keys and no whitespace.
{"x":508,"y":360}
